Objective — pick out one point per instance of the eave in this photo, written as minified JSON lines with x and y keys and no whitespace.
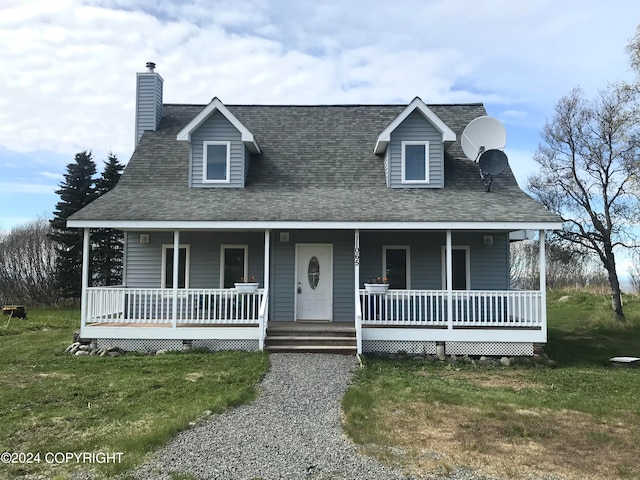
{"x":283,"y":225}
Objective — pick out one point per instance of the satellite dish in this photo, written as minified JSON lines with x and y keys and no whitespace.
{"x":482,"y":134}
{"x":493,"y":162}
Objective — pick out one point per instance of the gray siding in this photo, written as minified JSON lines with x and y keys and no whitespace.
{"x":283,"y":273}
{"x":416,"y":128}
{"x":144,"y":261}
{"x":218,"y":128}
{"x":148,"y":102}
{"x":489,"y":263}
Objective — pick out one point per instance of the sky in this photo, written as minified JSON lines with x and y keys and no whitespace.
{"x":67,"y":67}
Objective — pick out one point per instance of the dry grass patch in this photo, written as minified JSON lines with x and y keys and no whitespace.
{"x":510,"y":442}
{"x":512,"y":379}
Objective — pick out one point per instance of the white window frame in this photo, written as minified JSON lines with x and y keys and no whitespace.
{"x":245,"y":274}
{"x":205,"y":166}
{"x":408,"y":260}
{"x":187,"y":262}
{"x":467,"y":249}
{"x":426,"y":161}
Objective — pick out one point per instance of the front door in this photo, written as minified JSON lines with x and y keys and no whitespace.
{"x":314,"y":282}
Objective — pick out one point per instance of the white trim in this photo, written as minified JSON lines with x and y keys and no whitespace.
{"x":407,"y":249}
{"x":426,"y":162}
{"x":445,"y":282}
{"x":455,"y":334}
{"x":165,"y":225}
{"x":180,"y":333}
{"x":205,"y":164}
{"x":187,"y":261}
{"x":384,"y":138}
{"x":245,"y":273}
{"x":295,"y":278}
{"x":216,"y":104}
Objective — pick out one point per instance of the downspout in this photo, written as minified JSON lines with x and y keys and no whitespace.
{"x":176,"y":266}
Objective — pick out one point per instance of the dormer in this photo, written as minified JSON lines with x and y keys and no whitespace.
{"x":220,"y":148}
{"x":413,"y":146}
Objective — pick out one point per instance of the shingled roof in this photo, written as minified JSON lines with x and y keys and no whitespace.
{"x":316,"y":165}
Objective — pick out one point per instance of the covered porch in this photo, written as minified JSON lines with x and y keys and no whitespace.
{"x":411,"y":319}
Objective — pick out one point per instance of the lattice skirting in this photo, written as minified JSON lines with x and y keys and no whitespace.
{"x":395,"y":346}
{"x":242,"y":344}
{"x":138,"y":345}
{"x":489,"y":348}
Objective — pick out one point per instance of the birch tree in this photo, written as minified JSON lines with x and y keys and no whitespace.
{"x":588,"y":171}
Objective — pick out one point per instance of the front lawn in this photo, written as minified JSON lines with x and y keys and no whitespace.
{"x":579,"y":420}
{"x":51,"y":402}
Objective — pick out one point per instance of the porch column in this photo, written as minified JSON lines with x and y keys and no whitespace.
{"x":264,"y":318}
{"x":356,"y":274}
{"x":543,"y":281}
{"x":176,"y":267}
{"x":449,"y":282}
{"x":86,"y":236}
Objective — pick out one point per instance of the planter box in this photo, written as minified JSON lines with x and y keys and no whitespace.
{"x":376,"y":288}
{"x":249,"y":287}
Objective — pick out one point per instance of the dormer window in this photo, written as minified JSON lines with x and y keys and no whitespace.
{"x":217,"y":165}
{"x":415,"y":162}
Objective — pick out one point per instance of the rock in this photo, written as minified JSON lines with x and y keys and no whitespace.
{"x":505,"y":362}
{"x":70,"y":347}
{"x":104,"y":353}
{"x":84,"y":348}
{"x":114,"y":353}
{"x":162,"y":352}
{"x":81,"y":352}
{"x":114,"y":349}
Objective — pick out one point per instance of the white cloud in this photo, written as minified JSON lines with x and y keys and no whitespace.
{"x":28,"y":188}
{"x":67,"y":82}
{"x":52,"y":175}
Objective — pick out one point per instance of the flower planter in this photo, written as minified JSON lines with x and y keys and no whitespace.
{"x":248,"y":287}
{"x":376,"y":288}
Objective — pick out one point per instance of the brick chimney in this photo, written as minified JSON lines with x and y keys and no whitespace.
{"x":148,"y":100}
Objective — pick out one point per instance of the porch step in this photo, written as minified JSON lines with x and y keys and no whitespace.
{"x":339,"y":349}
{"x":310,"y":337}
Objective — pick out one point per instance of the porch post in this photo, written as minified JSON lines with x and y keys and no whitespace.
{"x":176,"y":266}
{"x":543,"y":282}
{"x":264,"y":319}
{"x":449,"y":282}
{"x":85,"y":276}
{"x":356,"y":275}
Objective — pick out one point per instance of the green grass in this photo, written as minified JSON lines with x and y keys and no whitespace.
{"x":579,"y":420}
{"x":51,"y":402}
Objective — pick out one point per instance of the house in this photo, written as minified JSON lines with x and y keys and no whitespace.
{"x":312,"y":201}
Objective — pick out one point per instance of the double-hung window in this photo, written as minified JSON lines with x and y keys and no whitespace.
{"x":415,"y":162}
{"x":167,"y":266}
{"x":395,"y":265}
{"x":233,"y":264}
{"x":217,"y":165}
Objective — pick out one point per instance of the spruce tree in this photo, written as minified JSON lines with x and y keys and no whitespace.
{"x":77,"y":190}
{"x":107,"y":244}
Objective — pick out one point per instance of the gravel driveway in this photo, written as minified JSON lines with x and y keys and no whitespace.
{"x":292,"y":431}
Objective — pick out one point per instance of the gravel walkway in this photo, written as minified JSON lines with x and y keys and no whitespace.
{"x":292,"y":431}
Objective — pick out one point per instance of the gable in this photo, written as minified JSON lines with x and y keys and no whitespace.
{"x":217,"y":130}
{"x":415,"y":130}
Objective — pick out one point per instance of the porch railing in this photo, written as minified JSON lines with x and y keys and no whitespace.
{"x":118,"y":305}
{"x":469,"y":308}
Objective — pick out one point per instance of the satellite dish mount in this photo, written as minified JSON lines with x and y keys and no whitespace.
{"x":482,"y":141}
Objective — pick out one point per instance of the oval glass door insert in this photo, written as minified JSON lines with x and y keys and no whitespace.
{"x":314,"y":272}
